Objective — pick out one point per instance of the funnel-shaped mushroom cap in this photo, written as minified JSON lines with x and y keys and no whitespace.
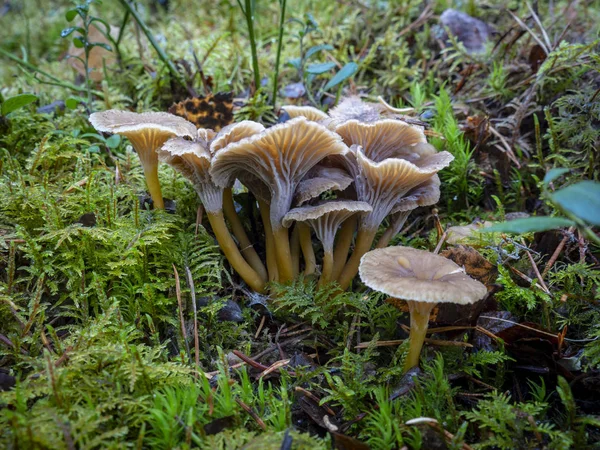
{"x":234,"y":133}
{"x":326,"y":218}
{"x":280,"y":157}
{"x":425,"y":194}
{"x":192,"y":159}
{"x":383,"y":184}
{"x":309,"y":112}
{"x":146,"y":131}
{"x":384,"y":138}
{"x":461,"y":234}
{"x":319,"y":180}
{"x":411,"y":274}
{"x":353,"y":108}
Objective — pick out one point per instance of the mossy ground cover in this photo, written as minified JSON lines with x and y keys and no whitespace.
{"x":124,"y":327}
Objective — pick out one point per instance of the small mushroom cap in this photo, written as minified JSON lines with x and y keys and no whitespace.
{"x":319,"y":180}
{"x":386,"y":138}
{"x":425,"y":194}
{"x":418,"y":275}
{"x":326,"y":217}
{"x":461,"y":234}
{"x":309,"y":112}
{"x":353,"y":108}
{"x":234,"y":133}
{"x":192,"y":159}
{"x":383,"y":184}
{"x":147,"y":132}
{"x":280,"y":157}
{"x":127,"y":122}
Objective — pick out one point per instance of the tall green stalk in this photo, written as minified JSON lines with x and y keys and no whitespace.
{"x":248,"y":10}
{"x":282,"y":5}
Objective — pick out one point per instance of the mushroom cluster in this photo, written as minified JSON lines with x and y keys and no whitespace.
{"x":339,"y":174}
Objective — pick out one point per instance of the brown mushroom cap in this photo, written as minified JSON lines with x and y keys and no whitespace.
{"x":280,"y":157}
{"x":353,"y":108}
{"x":425,"y":194}
{"x":386,"y":138}
{"x":418,"y":275}
{"x":234,"y":133}
{"x":321,"y":179}
{"x":146,"y":131}
{"x":383,"y":184}
{"x":461,"y":234}
{"x":192,"y":159}
{"x":309,"y":112}
{"x":326,"y":218}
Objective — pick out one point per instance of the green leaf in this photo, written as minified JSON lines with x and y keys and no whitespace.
{"x":18,"y":101}
{"x":72,"y":103}
{"x":317,"y":48}
{"x":79,"y":42}
{"x":113,"y":141}
{"x":103,"y":45}
{"x":67,"y":31}
{"x":345,"y":72}
{"x":71,"y":14}
{"x":295,"y":62}
{"x":529,"y":225}
{"x":581,"y":199}
{"x":319,"y":68}
{"x":553,"y":174}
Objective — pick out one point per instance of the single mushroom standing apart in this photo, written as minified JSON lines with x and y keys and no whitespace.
{"x":147,"y":132}
{"x":193,"y":160}
{"x":421,"y":278}
{"x":280,"y":157}
{"x":325,"y":219}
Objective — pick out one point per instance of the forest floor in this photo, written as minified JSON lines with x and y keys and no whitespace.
{"x":123,"y":326}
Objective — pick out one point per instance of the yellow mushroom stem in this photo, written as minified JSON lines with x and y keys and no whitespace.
{"x":232,"y":253}
{"x":265,"y":210}
{"x":283,"y":253}
{"x":151,"y":175}
{"x":240,"y":234}
{"x":295,"y":249}
{"x":419,"y":322}
{"x":344,"y":241}
{"x":310,"y":261}
{"x":327,"y":269}
{"x":364,"y":239}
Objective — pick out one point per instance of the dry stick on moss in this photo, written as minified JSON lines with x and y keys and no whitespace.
{"x":190,"y":282}
{"x":557,"y":252}
{"x":180,"y":305}
{"x":238,"y":231}
{"x":269,"y":241}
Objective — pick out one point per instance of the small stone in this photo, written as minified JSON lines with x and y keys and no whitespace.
{"x":472,"y":32}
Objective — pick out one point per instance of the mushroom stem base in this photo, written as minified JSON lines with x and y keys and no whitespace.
{"x":238,"y":231}
{"x":232,"y":253}
{"x":310,"y":261}
{"x":364,"y":239}
{"x":344,"y":241}
{"x":419,"y":322}
{"x":326,"y":272}
{"x":295,"y":249}
{"x":151,"y":175}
